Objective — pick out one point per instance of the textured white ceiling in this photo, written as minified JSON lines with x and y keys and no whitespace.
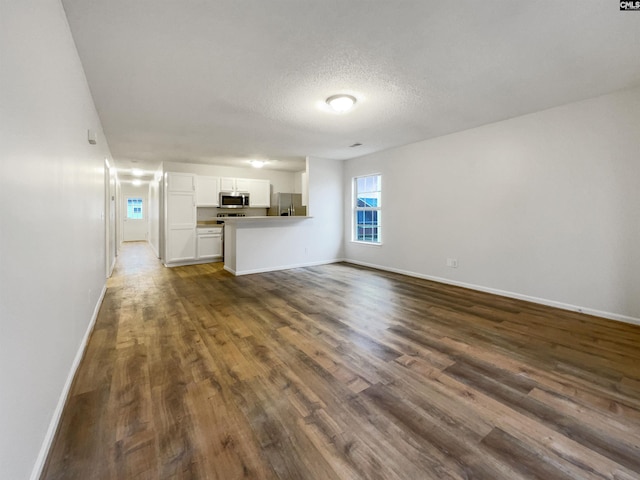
{"x":220,"y":81}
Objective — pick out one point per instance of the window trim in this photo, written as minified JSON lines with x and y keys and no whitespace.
{"x":355,"y":209}
{"x":140,"y":205}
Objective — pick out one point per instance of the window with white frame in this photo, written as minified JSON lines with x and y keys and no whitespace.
{"x":367,"y":195}
{"x":134,"y":209}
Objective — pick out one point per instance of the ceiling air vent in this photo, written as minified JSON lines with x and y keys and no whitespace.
{"x":355,"y":145}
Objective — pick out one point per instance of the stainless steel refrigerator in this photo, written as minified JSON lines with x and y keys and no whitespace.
{"x":287,"y":204}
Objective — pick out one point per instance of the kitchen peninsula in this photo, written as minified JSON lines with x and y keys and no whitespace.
{"x":266,"y":243}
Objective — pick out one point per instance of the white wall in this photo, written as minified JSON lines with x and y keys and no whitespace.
{"x":274,"y":243}
{"x":52,"y":234}
{"x":326,"y":206}
{"x":545,"y":205}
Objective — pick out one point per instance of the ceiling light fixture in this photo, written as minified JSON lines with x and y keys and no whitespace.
{"x":341,"y":103}
{"x":136,"y":183}
{"x":257,"y":163}
{"x":136,"y":172}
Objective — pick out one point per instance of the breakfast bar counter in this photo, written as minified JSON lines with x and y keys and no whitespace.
{"x":266,"y":243}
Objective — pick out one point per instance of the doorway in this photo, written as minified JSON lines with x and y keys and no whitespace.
{"x":110,"y":215}
{"x":134,"y":221}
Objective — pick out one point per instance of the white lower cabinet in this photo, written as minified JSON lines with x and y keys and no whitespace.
{"x":209,"y":243}
{"x":181,"y":244}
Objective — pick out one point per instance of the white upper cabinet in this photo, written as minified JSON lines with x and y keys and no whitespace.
{"x":228,"y":184}
{"x":181,"y":182}
{"x":207,"y":191}
{"x":259,"y":193}
{"x":259,"y":190}
{"x":243,"y":184}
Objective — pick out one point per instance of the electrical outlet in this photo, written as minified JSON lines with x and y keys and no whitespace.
{"x":452,"y":262}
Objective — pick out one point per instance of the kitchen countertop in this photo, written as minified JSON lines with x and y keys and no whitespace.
{"x":262,"y":219}
{"x":210,"y":225}
{"x":265,"y":218}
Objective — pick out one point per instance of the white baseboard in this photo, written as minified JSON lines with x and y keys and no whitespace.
{"x":57,"y":414}
{"x":192,"y":262}
{"x":503,"y":293}
{"x":282,"y":267}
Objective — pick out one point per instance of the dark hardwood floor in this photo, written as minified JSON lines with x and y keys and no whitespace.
{"x":342,"y":372}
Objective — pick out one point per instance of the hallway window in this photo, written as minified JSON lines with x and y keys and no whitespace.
{"x":134,"y":208}
{"x":366,"y":208}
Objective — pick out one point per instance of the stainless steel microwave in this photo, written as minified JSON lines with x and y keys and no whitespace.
{"x":234,"y":199}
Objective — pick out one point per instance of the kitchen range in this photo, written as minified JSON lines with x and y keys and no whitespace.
{"x":222,"y":216}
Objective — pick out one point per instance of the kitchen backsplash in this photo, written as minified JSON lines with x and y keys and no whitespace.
{"x":211,"y":213}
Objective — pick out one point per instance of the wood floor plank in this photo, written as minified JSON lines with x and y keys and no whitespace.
{"x":583,"y":461}
{"x":224,"y":444}
{"x":527,"y":461}
{"x":343,"y":372}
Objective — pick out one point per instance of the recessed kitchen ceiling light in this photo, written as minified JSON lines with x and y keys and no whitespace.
{"x":341,"y":103}
{"x":257,"y":163}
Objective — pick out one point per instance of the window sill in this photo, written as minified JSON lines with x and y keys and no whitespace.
{"x":372,"y":244}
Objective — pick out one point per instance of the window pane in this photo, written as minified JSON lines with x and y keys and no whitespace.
{"x":367,"y":204}
{"x":367,"y":200}
{"x":371,"y":199}
{"x":134,"y":208}
{"x":370,"y":184}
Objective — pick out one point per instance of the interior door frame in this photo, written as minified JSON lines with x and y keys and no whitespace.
{"x":145,"y":216}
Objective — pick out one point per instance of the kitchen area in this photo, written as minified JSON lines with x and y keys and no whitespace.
{"x":202,"y":212}
{"x":210,"y":232}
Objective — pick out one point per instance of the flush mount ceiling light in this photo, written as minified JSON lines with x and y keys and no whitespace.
{"x":258,"y":163}
{"x":136,"y":172}
{"x":341,"y":103}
